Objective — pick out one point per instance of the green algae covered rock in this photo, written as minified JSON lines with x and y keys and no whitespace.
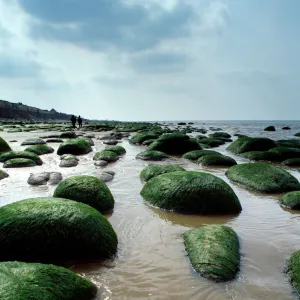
{"x":152,"y":155}
{"x":52,"y":230}
{"x":292,"y":143}
{"x":263,"y":177}
{"x":196,"y":154}
{"x":191,"y":192}
{"x":119,"y":150}
{"x":4,"y":147}
{"x":68,"y":135}
{"x":174,"y":143}
{"x":284,"y":153}
{"x":106,"y":155}
{"x":212,"y":142}
{"x":297,"y":134}
{"x":247,"y":144}
{"x":86,"y":189}
{"x":40,"y":149}
{"x":213,"y":251}
{"x":75,"y":147}
{"x":216,"y":160}
{"x":34,"y":281}
{"x":293,"y":270}
{"x":140,"y":137}
{"x":292,"y":162}
{"x":261,"y":155}
{"x":19,"y":163}
{"x":291,"y":200}
{"x":21,"y":154}
{"x":3,"y":174}
{"x":155,"y":170}
{"x":220,"y":135}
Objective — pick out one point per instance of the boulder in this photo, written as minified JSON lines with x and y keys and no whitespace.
{"x":36,"y":141}
{"x":292,"y":143}
{"x":68,"y":162}
{"x":22,"y":281}
{"x":140,"y":137}
{"x":68,"y":135}
{"x":213,"y":251}
{"x":119,"y":150}
{"x":297,"y":134}
{"x":286,"y":128}
{"x":40,"y":149}
{"x":191,"y":192}
{"x":54,"y":140}
{"x":155,"y":170}
{"x":53,"y":230}
{"x":19,"y":163}
{"x":284,"y":153}
{"x":211,"y":142}
{"x":75,"y":147}
{"x":270,"y":128}
{"x":3,"y":175}
{"x":292,"y":162}
{"x":106,"y":155}
{"x":291,"y":200}
{"x":68,"y":156}
{"x":263,"y":177}
{"x":261,"y":155}
{"x":216,"y":160}
{"x":152,"y":155}
{"x":196,"y":154}
{"x":100,"y":163}
{"x":110,"y":142}
{"x":44,"y":177}
{"x":21,"y":154}
{"x":106,"y":176}
{"x":247,"y":144}
{"x":89,"y":140}
{"x":220,"y":135}
{"x":148,"y":142}
{"x":4,"y":147}
{"x":86,"y":189}
{"x":293,"y":270}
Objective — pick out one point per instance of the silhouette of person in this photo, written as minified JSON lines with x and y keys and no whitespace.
{"x":79,"y":122}
{"x":73,"y":120}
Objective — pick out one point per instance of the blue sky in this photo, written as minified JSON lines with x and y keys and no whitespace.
{"x":143,"y":60}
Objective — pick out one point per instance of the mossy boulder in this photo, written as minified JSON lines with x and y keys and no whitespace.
{"x":297,"y":134}
{"x":196,"y":154}
{"x":247,"y":144}
{"x":220,"y":135}
{"x":284,"y":153}
{"x":155,"y":170}
{"x":293,"y":270}
{"x":119,"y":150}
{"x":291,"y":200}
{"x":292,"y":162}
{"x":140,"y":137}
{"x":216,"y":160}
{"x":36,"y":141}
{"x":106,"y":155}
{"x":34,"y":281}
{"x":263,"y":177}
{"x":148,"y":142}
{"x":19,"y":163}
{"x":3,"y":175}
{"x":191,"y":192}
{"x":211,"y":142}
{"x":86,"y":189}
{"x":292,"y":143}
{"x":21,"y":154}
{"x":40,"y":149}
{"x":152,"y":155}
{"x":270,"y":128}
{"x":53,"y":230}
{"x":213,"y":251}
{"x":68,"y":135}
{"x":261,"y":155}
{"x":75,"y":147}
{"x":4,"y":147}
{"x":174,"y":143}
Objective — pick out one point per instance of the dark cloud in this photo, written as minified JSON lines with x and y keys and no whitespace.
{"x":101,"y":24}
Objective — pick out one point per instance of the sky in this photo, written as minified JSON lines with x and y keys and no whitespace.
{"x":134,"y":60}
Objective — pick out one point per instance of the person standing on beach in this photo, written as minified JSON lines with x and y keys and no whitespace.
{"x":73,"y":120}
{"x":79,"y":122}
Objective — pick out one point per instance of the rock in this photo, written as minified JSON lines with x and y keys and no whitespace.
{"x":40,"y":149}
{"x":216,"y":160}
{"x":105,"y":176}
{"x":54,"y":136}
{"x":3,"y":175}
{"x":100,"y":163}
{"x":44,"y":177}
{"x":36,"y":141}
{"x":174,"y":143}
{"x":75,"y":147}
{"x":55,"y":178}
{"x":119,"y":150}
{"x":293,"y":270}
{"x":220,"y":135}
{"x":247,"y":144}
{"x":291,"y":200}
{"x":54,"y":140}
{"x":286,"y":128}
{"x":86,"y":189}
{"x":20,"y":281}
{"x":196,"y":154}
{"x":148,"y":142}
{"x":292,"y":143}
{"x":13,"y":141}
{"x":106,"y":155}
{"x":68,"y":156}
{"x":53,"y":230}
{"x":140,"y":137}
{"x":261,"y":155}
{"x":19,"y":163}
{"x":213,"y":251}
{"x":211,"y":142}
{"x":4,"y":147}
{"x":262,"y":177}
{"x":297,"y":134}
{"x":68,"y":162}
{"x":270,"y":128}
{"x":283,"y":153}
{"x":152,"y":155}
{"x":90,"y":141}
{"x":68,"y":135}
{"x":155,"y":170}
{"x":90,"y":136}
{"x":181,"y":123}
{"x":292,"y":162}
{"x":191,"y":192}
{"x":20,"y":154}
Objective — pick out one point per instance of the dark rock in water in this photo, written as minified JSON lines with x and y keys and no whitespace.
{"x":75,"y":147}
{"x":13,"y":141}
{"x":106,"y":176}
{"x":181,"y":123}
{"x":3,"y":175}
{"x":110,"y":142}
{"x":87,"y":189}
{"x":155,"y":170}
{"x":292,"y":143}
{"x":20,"y":281}
{"x":270,"y":128}
{"x":191,"y":192}
{"x":140,"y":137}
{"x":212,"y":142}
{"x":54,"y":136}
{"x":100,"y":163}
{"x":68,"y":135}
{"x":262,"y":177}
{"x":293,"y":270}
{"x":119,"y":150}
{"x":220,"y":135}
{"x":54,"y":140}
{"x":53,"y":230}
{"x":191,"y":123}
{"x":19,"y":163}
{"x":106,"y":155}
{"x":68,"y":162}
{"x":297,"y":134}
{"x":4,"y":147}
{"x":291,"y":200}
{"x":152,"y":155}
{"x":90,"y":136}
{"x":216,"y":160}
{"x":215,"y":129}
{"x":196,"y":154}
{"x":286,"y":128}
{"x":148,"y":142}
{"x":261,"y":155}
{"x":283,"y":153}
{"x":33,"y":142}
{"x":44,"y":178}
{"x":40,"y":149}
{"x":213,"y":251}
{"x":292,"y":162}
{"x":21,"y":154}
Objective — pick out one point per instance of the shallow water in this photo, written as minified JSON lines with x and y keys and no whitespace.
{"x":151,"y":261}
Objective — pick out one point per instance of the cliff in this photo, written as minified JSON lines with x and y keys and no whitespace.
{"x":19,"y":111}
